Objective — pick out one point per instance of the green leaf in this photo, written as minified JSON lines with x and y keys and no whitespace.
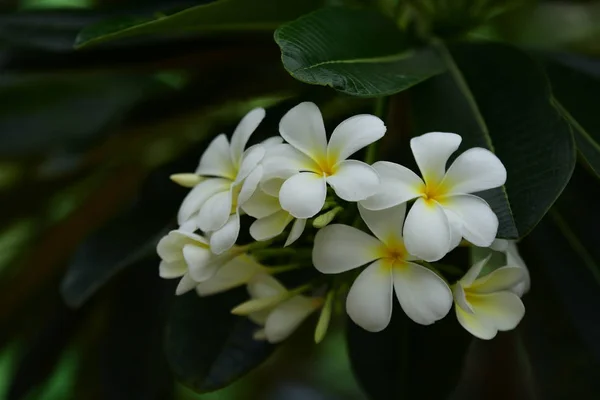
{"x":407,"y":360}
{"x":496,"y":97}
{"x":216,"y":17}
{"x":358,"y":52}
{"x":576,"y":95}
{"x":207,"y":346}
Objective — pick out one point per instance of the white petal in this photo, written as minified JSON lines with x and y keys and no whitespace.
{"x":427,"y":231}
{"x":499,"y":245}
{"x":513,"y":258}
{"x":500,"y":279}
{"x":235,"y":273}
{"x":215,"y":212}
{"x":460,"y":298}
{"x":303,"y":195}
{"x":423,"y":295}
{"x":369,"y":301}
{"x":199,"y":262}
{"x":480,"y":328}
{"x":272,"y":141}
{"x":286,"y":157}
{"x":339,"y":248}
{"x":503,"y":310}
{"x":479,"y":222}
{"x":287,"y":316}
{"x":473,"y":272}
{"x":243,"y":131}
{"x":170,"y":247}
{"x":261,"y":204}
{"x":303,"y":128}
{"x":185,"y":285}
{"x":475,"y":170}
{"x":296,"y":231}
{"x":216,"y":160}
{"x":272,"y":180}
{"x":456,"y":228}
{"x":398,"y":185}
{"x":250,"y":185}
{"x":224,"y":238}
{"x":354,"y":180}
{"x":198,"y":196}
{"x":263,"y":286}
{"x":352,"y":135}
{"x":432,"y":151}
{"x":250,"y":160}
{"x":173,"y":269}
{"x":386,"y":224}
{"x":271,"y":226}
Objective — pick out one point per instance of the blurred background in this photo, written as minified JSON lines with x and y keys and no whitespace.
{"x":88,"y":139}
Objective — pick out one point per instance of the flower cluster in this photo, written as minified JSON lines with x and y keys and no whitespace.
{"x":301,"y":181}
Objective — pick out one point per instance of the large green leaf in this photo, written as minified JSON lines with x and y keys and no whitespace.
{"x":207,"y":346}
{"x":358,"y":52}
{"x":496,"y":97}
{"x":403,"y":361}
{"x":215,"y":17}
{"x":576,"y":96}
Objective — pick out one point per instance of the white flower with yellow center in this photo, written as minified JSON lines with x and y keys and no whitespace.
{"x":234,"y":273}
{"x":485,"y":305}
{"x":283,"y":311}
{"x":319,"y":163}
{"x":233,"y":175}
{"x":444,"y":211}
{"x":423,"y":295}
{"x":187,"y":255}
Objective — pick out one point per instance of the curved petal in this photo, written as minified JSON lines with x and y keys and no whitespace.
{"x":198,"y":196}
{"x":235,"y":273}
{"x":473,"y":272}
{"x":249,"y":186}
{"x":216,"y":160}
{"x":173,"y":269}
{"x":352,"y":135}
{"x":479,"y":222}
{"x":456,"y":228}
{"x":369,"y":301}
{"x":500,"y":279}
{"x":432,"y":151}
{"x":287,"y":316}
{"x":303,"y":128}
{"x":386,"y":224}
{"x":272,"y":141}
{"x":215,"y":212}
{"x":271,"y":226}
{"x":354,"y":180}
{"x":296,"y":231}
{"x":272,"y":180}
{"x":339,"y":248}
{"x":185,"y":285}
{"x":475,"y":170}
{"x":285,"y":157}
{"x":427,"y":231}
{"x":460,"y":298}
{"x":250,"y":160}
{"x":475,"y":326}
{"x":503,"y":310}
{"x":422,"y":294}
{"x":303,"y":195}
{"x":499,"y":245}
{"x":397,"y":185}
{"x":169,"y":248}
{"x":224,"y":238}
{"x":260,"y":205}
{"x":513,"y":258}
{"x":242,"y":133}
{"x":199,"y":261}
{"x":262,"y":286}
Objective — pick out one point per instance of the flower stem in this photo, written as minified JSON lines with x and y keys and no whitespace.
{"x":282,"y":268}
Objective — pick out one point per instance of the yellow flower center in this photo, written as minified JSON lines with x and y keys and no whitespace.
{"x":434,"y":193}
{"x":393,"y":254}
{"x":326,"y":166}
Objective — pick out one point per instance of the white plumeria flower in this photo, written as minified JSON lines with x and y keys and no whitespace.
{"x":423,"y":295}
{"x":187,"y":255}
{"x":513,"y":259}
{"x":282,"y":319}
{"x":233,"y":176}
{"x":318,"y":163}
{"x":485,"y":305}
{"x":272,"y":219}
{"x":445,"y":211}
{"x":236,"y":272}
